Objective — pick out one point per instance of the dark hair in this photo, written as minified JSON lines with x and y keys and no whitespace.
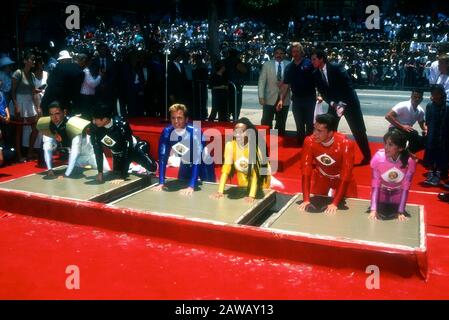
{"x":218,"y":65}
{"x":233,"y":53}
{"x":102,"y":45}
{"x":444,"y":57}
{"x":259,"y":157}
{"x":418,"y":90}
{"x":399,"y":139}
{"x":329,"y":120}
{"x":84,"y":56}
{"x":55,"y":104}
{"x":25,"y":55}
{"x":320,"y":54}
{"x":177,"y":52}
{"x":39,"y":59}
{"x":102,"y":111}
{"x":279,"y":47}
{"x":440,"y":88}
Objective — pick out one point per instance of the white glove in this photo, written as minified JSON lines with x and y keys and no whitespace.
{"x":340,"y":109}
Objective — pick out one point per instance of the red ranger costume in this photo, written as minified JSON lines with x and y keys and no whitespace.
{"x":329,"y":166}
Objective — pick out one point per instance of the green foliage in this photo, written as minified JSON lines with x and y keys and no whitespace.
{"x":260,"y":4}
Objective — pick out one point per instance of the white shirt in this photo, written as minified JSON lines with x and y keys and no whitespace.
{"x":324,"y":71}
{"x":406,"y":115}
{"x":443,"y":79}
{"x":433,"y":72}
{"x":38,"y":83}
{"x":276,"y":66}
{"x":89,"y":83}
{"x":178,"y":65}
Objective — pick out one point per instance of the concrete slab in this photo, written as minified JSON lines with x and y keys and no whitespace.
{"x":80,"y":186}
{"x":232,"y":209}
{"x":350,"y":223}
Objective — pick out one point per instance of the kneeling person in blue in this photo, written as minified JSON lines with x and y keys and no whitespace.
{"x":186,"y":142}
{"x":115,"y":134}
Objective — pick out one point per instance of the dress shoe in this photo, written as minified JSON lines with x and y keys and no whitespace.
{"x":444,"y":197}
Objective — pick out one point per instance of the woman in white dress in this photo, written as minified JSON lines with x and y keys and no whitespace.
{"x":25,"y":108}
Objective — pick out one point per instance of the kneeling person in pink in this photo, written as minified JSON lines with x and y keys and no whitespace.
{"x":392,"y":174}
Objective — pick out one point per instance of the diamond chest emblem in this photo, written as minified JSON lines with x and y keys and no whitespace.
{"x":393,"y":175}
{"x":179,"y":149}
{"x":325,"y":160}
{"x":242,"y":164}
{"x":108,"y":141}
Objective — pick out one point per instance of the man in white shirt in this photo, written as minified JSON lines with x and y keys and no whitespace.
{"x":404,"y":115}
{"x":269,"y":88}
{"x":434,"y":70}
{"x":443,"y":77}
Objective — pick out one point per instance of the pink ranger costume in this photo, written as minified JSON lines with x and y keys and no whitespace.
{"x":390,"y":184}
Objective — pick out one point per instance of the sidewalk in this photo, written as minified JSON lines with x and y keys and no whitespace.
{"x":376,"y":125}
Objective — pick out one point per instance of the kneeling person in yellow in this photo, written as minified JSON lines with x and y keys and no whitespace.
{"x":240,"y":156}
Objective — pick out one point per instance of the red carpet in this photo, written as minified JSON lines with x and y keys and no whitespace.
{"x":116,"y":265}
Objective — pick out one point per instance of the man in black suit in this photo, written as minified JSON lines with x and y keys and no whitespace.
{"x":64,"y":84}
{"x":104,"y":62}
{"x":335,"y":87}
{"x":178,"y":87}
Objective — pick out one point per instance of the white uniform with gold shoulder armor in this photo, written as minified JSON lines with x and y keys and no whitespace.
{"x":81,"y":149}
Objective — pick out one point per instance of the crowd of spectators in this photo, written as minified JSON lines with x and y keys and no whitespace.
{"x":398,"y":55}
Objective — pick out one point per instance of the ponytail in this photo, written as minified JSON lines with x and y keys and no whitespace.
{"x":404,"y":156}
{"x":399,"y":139}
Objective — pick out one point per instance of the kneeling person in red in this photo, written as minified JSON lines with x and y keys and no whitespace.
{"x":327,"y":162}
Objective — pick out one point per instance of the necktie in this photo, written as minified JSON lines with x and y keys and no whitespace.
{"x":279,"y":73}
{"x":102,"y":64}
{"x":324,"y":77}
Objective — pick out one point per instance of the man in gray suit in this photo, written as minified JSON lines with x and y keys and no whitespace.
{"x":270,"y":81}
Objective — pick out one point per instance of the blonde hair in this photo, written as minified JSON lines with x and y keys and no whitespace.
{"x":178,"y":106}
{"x":299,"y":46}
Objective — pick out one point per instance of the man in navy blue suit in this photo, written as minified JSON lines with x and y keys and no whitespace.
{"x":335,"y":87}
